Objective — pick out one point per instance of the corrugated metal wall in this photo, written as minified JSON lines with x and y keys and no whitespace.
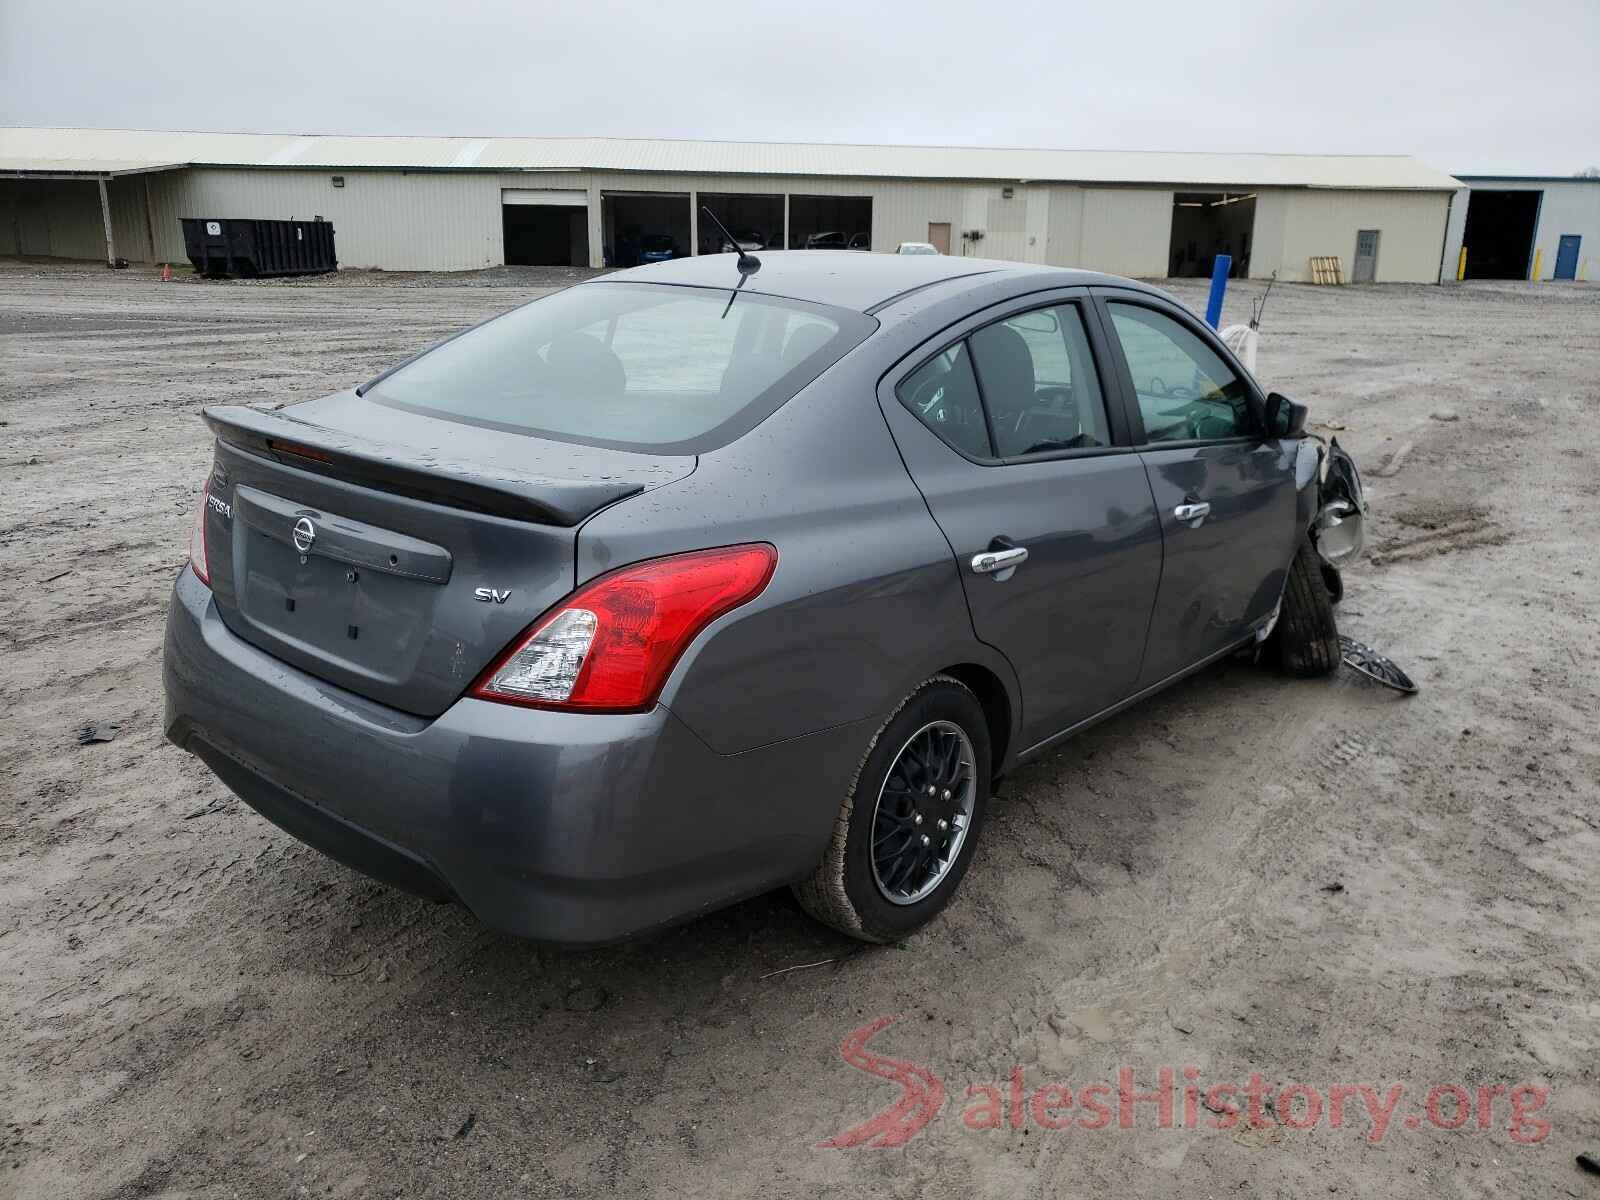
{"x":1568,"y":206}
{"x":1127,"y":231}
{"x":444,"y":221}
{"x":400,"y":221}
{"x":1064,"y":232}
{"x":132,"y":217}
{"x":1266,"y":239}
{"x":424,"y":221}
{"x":902,"y":212}
{"x":1121,"y":230}
{"x":1324,"y":222}
{"x":1455,"y":227}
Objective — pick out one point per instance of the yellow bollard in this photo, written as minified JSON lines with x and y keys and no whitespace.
{"x":1461,"y":265}
{"x":1538,"y":258}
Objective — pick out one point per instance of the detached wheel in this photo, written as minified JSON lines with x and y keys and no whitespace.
{"x":1307,"y":636}
{"x":908,"y":826}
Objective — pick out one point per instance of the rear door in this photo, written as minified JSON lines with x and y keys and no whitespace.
{"x":1004,"y":425}
{"x":1225,"y":493}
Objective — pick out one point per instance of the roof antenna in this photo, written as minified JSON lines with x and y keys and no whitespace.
{"x":748,"y":264}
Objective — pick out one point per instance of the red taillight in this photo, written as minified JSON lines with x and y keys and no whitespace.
{"x":610,"y":646}
{"x":197,"y":538}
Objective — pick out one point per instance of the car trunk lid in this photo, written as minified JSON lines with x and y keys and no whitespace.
{"x":398,"y":565}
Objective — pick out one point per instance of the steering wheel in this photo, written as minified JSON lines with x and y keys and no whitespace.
{"x":1195,"y":414}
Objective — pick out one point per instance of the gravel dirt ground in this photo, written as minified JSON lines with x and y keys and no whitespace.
{"x":1323,"y":882}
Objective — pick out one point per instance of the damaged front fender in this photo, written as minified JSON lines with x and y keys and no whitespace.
{"x":1339,"y":528}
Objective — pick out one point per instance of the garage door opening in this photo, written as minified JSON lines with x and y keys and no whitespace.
{"x":1499,"y":233}
{"x":1206,"y":224}
{"x":545,"y":228}
{"x":750,"y":218}
{"x":830,"y":222}
{"x":644,"y":227}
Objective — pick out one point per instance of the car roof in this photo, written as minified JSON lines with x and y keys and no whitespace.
{"x":848,"y":278}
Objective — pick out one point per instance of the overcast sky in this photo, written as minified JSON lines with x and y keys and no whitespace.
{"x":1465,"y":85}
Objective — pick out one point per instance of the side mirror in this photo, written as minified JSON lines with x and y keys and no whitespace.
{"x":1285,"y":418}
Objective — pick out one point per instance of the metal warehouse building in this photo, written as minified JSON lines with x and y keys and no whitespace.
{"x":1523,"y":227}
{"x":437,"y":204}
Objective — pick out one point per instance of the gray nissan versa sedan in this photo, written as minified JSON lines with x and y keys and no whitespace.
{"x":652,"y":594}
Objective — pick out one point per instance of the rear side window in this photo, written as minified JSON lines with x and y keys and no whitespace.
{"x":633,"y":366}
{"x":943,"y":395}
{"x":1039,"y":382}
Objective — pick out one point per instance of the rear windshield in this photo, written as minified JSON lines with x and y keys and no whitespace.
{"x":634,"y":366}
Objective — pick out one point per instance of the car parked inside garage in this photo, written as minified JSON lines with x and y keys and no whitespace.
{"x":657,"y":247}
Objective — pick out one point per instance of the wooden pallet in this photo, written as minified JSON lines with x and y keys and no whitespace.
{"x":1327,"y":269}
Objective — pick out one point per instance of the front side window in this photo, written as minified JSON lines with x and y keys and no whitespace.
{"x":1186,"y":391}
{"x":1039,"y":383}
{"x":635,"y":366}
{"x":943,"y":395}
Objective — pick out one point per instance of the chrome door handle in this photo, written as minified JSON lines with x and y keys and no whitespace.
{"x":1192,"y":512}
{"x":992,"y":562}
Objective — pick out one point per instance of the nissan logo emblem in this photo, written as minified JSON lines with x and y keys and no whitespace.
{"x":304,"y":534}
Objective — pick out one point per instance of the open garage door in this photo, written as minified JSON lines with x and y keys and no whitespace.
{"x":830,"y":222}
{"x":1206,"y":224}
{"x":750,"y":218}
{"x":545,"y":227}
{"x":1499,"y":233}
{"x":641,"y":227}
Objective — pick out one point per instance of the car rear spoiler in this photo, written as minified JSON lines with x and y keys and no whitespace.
{"x":404,"y":471}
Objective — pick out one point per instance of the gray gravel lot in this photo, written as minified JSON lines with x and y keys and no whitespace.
{"x":1320,"y":882}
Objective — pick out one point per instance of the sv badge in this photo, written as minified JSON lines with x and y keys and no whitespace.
{"x":492,"y":595}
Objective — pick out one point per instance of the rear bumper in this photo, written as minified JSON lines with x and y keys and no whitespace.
{"x":563,"y":827}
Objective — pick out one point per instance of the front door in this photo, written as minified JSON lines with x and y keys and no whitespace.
{"x":1567,"y":256}
{"x":1225,"y":494}
{"x":1005,"y":429}
{"x":939,"y":236}
{"x":1365,"y":268}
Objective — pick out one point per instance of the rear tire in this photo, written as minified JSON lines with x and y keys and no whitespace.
{"x":1307,"y":636}
{"x":878,"y":881}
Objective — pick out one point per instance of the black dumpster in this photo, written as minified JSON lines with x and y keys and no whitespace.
{"x":256,"y":249}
